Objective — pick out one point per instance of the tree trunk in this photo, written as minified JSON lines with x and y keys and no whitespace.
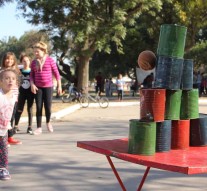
{"x":83,"y":72}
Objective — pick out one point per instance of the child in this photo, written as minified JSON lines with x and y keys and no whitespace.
{"x":8,"y":80}
{"x":25,"y":94}
{"x":41,"y":78}
{"x":9,"y":62}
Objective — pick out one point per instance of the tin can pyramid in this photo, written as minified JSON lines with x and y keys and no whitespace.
{"x":169,"y":111}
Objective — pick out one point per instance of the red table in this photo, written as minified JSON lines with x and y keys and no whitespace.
{"x":191,"y":161}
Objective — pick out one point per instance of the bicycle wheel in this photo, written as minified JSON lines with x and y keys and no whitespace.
{"x":103,"y":102}
{"x":84,"y":101}
{"x":65,"y":98}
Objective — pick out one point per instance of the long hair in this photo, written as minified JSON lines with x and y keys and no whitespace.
{"x":14,"y":66}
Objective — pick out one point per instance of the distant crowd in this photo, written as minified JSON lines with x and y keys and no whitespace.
{"x":200,"y":82}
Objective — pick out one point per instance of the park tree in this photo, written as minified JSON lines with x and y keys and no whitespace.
{"x":23,"y":44}
{"x":144,"y":35}
{"x":83,"y":26}
{"x":3,"y":2}
{"x":29,"y":38}
{"x":9,"y":44}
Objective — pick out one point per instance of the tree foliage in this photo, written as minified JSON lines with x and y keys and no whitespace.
{"x":84,"y":26}
{"x":23,"y":44}
{"x":145,"y":34}
{"x":111,"y":33}
{"x":3,"y":2}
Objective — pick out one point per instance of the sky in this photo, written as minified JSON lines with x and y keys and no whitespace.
{"x":11,"y":24}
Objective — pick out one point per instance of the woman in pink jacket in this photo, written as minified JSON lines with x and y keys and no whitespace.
{"x":41,"y":77}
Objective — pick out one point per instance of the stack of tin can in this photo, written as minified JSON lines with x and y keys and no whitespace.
{"x":166,"y":110}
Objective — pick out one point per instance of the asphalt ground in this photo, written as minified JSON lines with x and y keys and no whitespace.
{"x":53,"y":162}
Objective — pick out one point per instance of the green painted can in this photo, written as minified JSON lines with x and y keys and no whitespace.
{"x":172,"y":104}
{"x":172,"y":40}
{"x":142,"y":137}
{"x":189,"y":104}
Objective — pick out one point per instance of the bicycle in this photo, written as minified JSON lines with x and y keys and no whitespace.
{"x":87,"y":98}
{"x":72,"y":95}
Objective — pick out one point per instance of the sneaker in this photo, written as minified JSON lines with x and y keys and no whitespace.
{"x":29,"y":130}
{"x":38,"y":131}
{"x":12,"y":141}
{"x":16,"y":129}
{"x":50,"y":128}
{"x":4,"y":174}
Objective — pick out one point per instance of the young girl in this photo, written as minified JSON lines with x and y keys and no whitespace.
{"x":9,"y":62}
{"x":25,"y":94}
{"x":41,"y":77}
{"x":8,"y":80}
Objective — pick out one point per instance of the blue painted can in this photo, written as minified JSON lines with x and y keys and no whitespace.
{"x":187,"y":75}
{"x":198,"y":131}
{"x":163,"y":136}
{"x":168,"y":73}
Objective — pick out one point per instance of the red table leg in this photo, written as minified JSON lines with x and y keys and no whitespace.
{"x":119,"y":179}
{"x":143,"y":179}
{"x":116,"y":173}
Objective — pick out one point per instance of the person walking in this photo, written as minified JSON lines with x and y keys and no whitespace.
{"x":9,"y":61}
{"x":8,"y":80}
{"x":41,"y":78}
{"x":25,"y":94}
{"x":120,"y":87}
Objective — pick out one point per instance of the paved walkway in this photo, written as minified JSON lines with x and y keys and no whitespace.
{"x":53,"y":162}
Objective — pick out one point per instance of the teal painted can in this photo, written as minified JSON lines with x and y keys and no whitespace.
{"x":187,"y":75}
{"x":189,"y":104}
{"x":142,"y":137}
{"x":168,"y":72}
{"x":163,"y":136}
{"x":173,"y":104}
{"x":172,"y":40}
{"x":198,"y":131}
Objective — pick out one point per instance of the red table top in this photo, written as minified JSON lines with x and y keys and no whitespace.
{"x":190,"y":161}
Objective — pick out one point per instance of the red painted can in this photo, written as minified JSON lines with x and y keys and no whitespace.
{"x":180,"y":134}
{"x":152,"y":105}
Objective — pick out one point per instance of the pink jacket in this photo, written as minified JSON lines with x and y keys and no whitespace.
{"x":6,"y":110}
{"x":44,"y":78}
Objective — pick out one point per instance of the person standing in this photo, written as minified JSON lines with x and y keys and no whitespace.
{"x":8,"y":80}
{"x":111,"y":85}
{"x":120,"y":87}
{"x":107,"y":88}
{"x":41,"y":78}
{"x":99,"y":82}
{"x":9,"y":61}
{"x":25,"y":94}
{"x":198,"y":82}
{"x":195,"y":80}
